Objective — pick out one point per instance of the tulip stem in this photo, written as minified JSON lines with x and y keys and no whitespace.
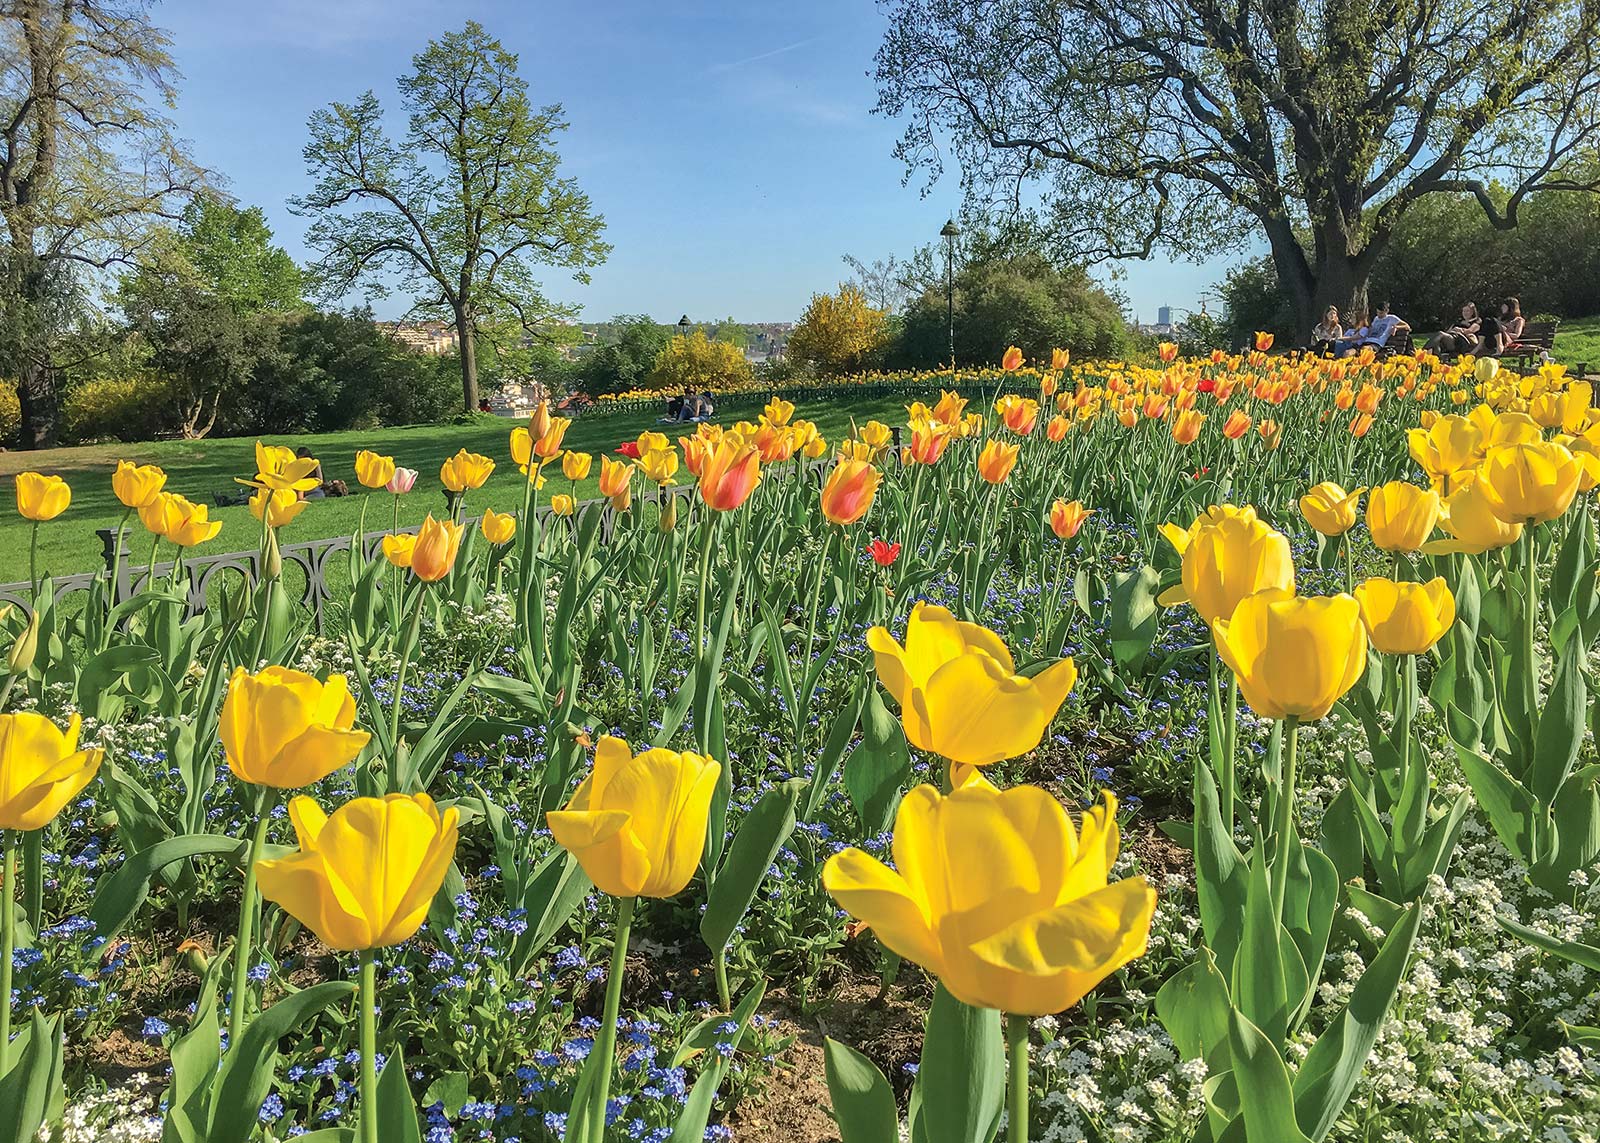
{"x":247,"y":924}
{"x":606,"y":1042}
{"x":1285,"y":815}
{"x":720,"y":964}
{"x":400,"y":673}
{"x":1530,"y":621}
{"x":1017,"y":1084}
{"x":369,"y":1047}
{"x":8,"y":940}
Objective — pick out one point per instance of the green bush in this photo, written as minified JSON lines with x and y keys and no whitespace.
{"x":118,"y":408}
{"x":10,"y":412}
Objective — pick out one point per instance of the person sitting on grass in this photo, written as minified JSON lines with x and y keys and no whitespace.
{"x":1459,"y":338}
{"x":1326,"y":332}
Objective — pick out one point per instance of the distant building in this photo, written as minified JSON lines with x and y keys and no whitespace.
{"x":1164,"y":316}
{"x":434,"y":338}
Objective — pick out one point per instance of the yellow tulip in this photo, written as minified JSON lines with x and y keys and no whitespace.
{"x":41,"y":769}
{"x":563,"y":505}
{"x":876,"y":435}
{"x":398,"y":547}
{"x":137,"y":484}
{"x":372,"y":470}
{"x":1293,"y":656}
{"x":498,"y":527}
{"x":279,"y":468}
{"x":1330,"y":509}
{"x":1405,"y":618}
{"x":1472,"y":524}
{"x":1227,"y":557}
{"x":281,"y":506}
{"x":575,"y":465}
{"x":41,"y":498}
{"x":1567,"y":410}
{"x":162,"y":514}
{"x":434,"y":553}
{"x":778,"y":411}
{"x":186,"y":523}
{"x":286,"y":729}
{"x":1529,"y":483}
{"x":1400,"y":516}
{"x":1509,"y":429}
{"x":465,"y":470}
{"x":659,"y":464}
{"x":651,"y":441}
{"x":1447,"y":449}
{"x":1586,"y":451}
{"x":958,"y":690}
{"x":637,"y":824}
{"x":997,"y":895}
{"x":364,"y":876}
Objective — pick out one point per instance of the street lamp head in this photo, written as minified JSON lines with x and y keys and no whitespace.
{"x":949,"y":230}
{"x":683,"y":323}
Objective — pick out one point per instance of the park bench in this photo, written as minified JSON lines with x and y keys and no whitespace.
{"x":1537,"y":340}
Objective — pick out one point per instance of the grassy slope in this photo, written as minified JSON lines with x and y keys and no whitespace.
{"x":1578,"y":342}
{"x":200,"y":468}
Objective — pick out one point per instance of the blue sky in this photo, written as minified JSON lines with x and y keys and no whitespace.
{"x":730,"y":146}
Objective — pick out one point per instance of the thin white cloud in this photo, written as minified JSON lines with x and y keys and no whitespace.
{"x":729,"y":65}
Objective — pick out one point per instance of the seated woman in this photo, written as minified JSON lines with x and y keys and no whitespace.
{"x":1459,"y":338}
{"x":1353,"y":337}
{"x":1326,"y":332}
{"x":1500,"y":332}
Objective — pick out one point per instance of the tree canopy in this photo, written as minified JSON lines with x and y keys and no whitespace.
{"x":840,"y":332}
{"x":463,"y":209}
{"x":87,"y":163}
{"x":1182,"y":126}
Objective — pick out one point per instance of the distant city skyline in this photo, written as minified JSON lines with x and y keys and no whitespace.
{"x":731,"y":147}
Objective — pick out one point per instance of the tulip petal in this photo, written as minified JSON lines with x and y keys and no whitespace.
{"x":412,"y":908}
{"x":308,"y":818}
{"x":313,"y":756}
{"x":1086,"y":939}
{"x":981,"y":713}
{"x":605,"y":845}
{"x":299,"y":883}
{"x":870,"y":890}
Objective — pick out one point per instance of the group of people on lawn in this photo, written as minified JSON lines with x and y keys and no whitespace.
{"x":1472,"y":332}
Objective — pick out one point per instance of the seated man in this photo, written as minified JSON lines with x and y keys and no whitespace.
{"x":1380,"y":329}
{"x":707,"y":409}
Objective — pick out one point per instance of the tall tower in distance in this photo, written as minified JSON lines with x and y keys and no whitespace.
{"x":1164,"y":315}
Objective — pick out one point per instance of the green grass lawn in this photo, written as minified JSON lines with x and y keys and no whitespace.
{"x":198,"y":469}
{"x":1578,"y":343}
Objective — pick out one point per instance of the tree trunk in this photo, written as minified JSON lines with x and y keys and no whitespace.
{"x":469,"y":361}
{"x":36,"y":392}
{"x":1342,"y":283}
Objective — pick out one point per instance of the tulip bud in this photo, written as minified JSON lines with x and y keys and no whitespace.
{"x":25,"y":648}
{"x":1486,"y":369}
{"x":274,"y":562}
{"x":669,"y":514}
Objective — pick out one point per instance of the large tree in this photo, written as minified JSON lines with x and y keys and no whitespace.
{"x":87,"y":162}
{"x":1184,"y":126}
{"x":463,"y":208}
{"x":208,"y":297}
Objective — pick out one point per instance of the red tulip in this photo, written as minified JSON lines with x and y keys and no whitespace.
{"x":883,"y":554}
{"x":629,"y":448}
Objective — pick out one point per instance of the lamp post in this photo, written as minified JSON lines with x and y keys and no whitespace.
{"x":683,"y":326}
{"x":949,"y":233}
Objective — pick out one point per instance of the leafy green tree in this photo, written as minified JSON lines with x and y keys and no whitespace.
{"x":732,"y":332}
{"x":1182,"y":128}
{"x":625,"y":356}
{"x":1003,"y":300}
{"x":461,"y":210}
{"x":207,"y":298}
{"x":87,"y":163}
{"x":333,"y":371}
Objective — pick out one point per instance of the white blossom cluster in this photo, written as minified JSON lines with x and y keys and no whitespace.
{"x":125,"y":1114}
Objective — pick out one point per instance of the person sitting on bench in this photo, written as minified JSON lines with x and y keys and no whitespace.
{"x":1380,"y":329}
{"x":1327,"y":332}
{"x":1500,"y":333}
{"x":1459,"y":338}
